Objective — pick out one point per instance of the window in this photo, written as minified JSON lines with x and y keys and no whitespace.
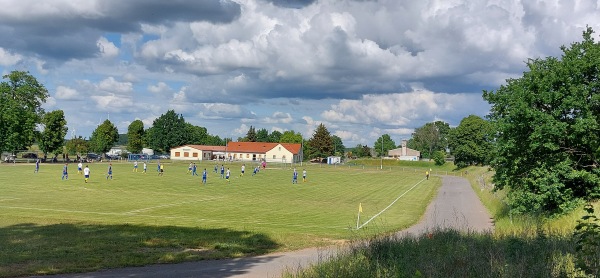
{"x":177,"y":154}
{"x":186,"y":154}
{"x":195,"y":154}
{"x":274,"y":156}
{"x":279,"y":148}
{"x":247,"y":155}
{"x":283,"y":157}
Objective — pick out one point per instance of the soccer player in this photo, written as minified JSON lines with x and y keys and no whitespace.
{"x":427,"y":175}
{"x":255,"y":170}
{"x":145,"y":167}
{"x":162,"y":170}
{"x":86,"y":173}
{"x":65,"y":175}
{"x":79,"y":168}
{"x":227,"y":176}
{"x":243,"y":170}
{"x":222,"y":171}
{"x":109,"y":174}
{"x":190,"y":168}
{"x":135,"y":166}
{"x":216,"y":168}
{"x":295,"y":177}
{"x":304,"y":175}
{"x":158,"y":167}
{"x":204,"y":177}
{"x":37,"y":166}
{"x":194,"y":170}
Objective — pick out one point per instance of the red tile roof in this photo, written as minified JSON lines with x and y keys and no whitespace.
{"x":207,"y":148}
{"x":260,"y":147}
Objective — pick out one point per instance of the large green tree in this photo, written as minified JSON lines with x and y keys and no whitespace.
{"x":135,"y":136}
{"x":320,"y":144}
{"x":104,"y":137}
{"x":251,"y":135}
{"x":77,"y":145}
{"x":167,"y":131}
{"x":548,"y":131}
{"x":290,"y":136}
{"x":338,"y":145}
{"x":196,"y":135}
{"x":274,"y":136}
{"x":54,"y":129}
{"x":383,"y":145}
{"x":471,"y":141}
{"x":430,"y":138}
{"x":262,"y":135}
{"x":21,"y":99}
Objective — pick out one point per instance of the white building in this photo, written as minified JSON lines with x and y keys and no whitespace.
{"x":404,"y":153}
{"x":197,"y":152}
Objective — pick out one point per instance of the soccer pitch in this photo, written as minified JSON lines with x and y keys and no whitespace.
{"x":291,"y":216}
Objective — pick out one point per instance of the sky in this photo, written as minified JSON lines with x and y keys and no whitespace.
{"x":363,"y":68}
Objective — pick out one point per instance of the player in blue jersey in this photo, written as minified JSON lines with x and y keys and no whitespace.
{"x":204,"y":174}
{"x":65,"y":175}
{"x":295,"y":176}
{"x":109,"y":173}
{"x":227,"y":175}
{"x":222,"y":171}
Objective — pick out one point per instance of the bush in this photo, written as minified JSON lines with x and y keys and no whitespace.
{"x":439,"y":157}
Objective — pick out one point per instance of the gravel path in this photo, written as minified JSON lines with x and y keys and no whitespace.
{"x":456,"y":206}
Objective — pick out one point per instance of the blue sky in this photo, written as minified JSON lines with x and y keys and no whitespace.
{"x":361,"y":67}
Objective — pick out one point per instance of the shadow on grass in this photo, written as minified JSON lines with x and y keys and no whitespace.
{"x":450,"y":253}
{"x":30,"y":249}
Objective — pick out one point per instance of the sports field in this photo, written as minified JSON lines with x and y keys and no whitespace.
{"x":49,"y":225}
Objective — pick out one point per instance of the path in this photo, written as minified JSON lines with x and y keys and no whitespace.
{"x":455,"y":206}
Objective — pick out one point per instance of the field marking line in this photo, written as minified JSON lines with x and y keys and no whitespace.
{"x":9,"y":199}
{"x":170,"y":205}
{"x":390,"y":204}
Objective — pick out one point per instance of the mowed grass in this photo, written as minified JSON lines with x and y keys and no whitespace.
{"x":49,"y":225}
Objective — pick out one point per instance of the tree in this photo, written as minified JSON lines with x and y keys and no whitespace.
{"x":262,"y":135}
{"x":54,"y":129}
{"x":471,"y":141}
{"x":439,"y":157}
{"x":388,"y":144}
{"x":104,"y":137}
{"x":251,"y":135}
{"x":21,"y":99}
{"x":77,"y":146}
{"x":290,"y":136}
{"x":548,"y":131}
{"x":274,"y":136}
{"x":429,"y":138}
{"x":321,"y":144}
{"x":338,"y":145}
{"x":135,"y":137}
{"x":167,"y":131}
{"x":196,"y":135}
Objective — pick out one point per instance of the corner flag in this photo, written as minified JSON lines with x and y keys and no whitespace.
{"x":359,"y":207}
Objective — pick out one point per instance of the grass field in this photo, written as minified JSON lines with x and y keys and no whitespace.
{"x":49,"y":225}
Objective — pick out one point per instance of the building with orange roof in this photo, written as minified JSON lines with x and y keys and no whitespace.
{"x":198,"y":152}
{"x":241,"y":151}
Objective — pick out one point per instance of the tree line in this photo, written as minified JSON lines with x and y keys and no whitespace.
{"x":541,"y":137}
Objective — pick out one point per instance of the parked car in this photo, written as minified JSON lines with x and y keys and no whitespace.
{"x":91,"y":157}
{"x":29,"y":155}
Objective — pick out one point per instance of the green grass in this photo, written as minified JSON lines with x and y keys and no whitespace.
{"x":49,"y":225}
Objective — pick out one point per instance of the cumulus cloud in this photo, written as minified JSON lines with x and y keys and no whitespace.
{"x":106,"y":48}
{"x":66,"y":93}
{"x":279,"y":117}
{"x":113,"y":86}
{"x":7,"y":58}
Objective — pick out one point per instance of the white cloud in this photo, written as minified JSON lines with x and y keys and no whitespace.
{"x":9,"y":59}
{"x":279,"y":118}
{"x":110,"y":85}
{"x":160,"y":87}
{"x":66,"y":93}
{"x":106,"y":48}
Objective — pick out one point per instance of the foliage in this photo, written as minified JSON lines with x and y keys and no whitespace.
{"x":167,"y":131}
{"x":587,"y":236}
{"x":471,"y":142}
{"x":52,"y":137}
{"x":77,"y":146}
{"x":104,"y":137}
{"x":21,"y":99}
{"x":429,"y":138}
{"x":320,"y":144}
{"x":289,"y":136}
{"x":262,"y":135}
{"x":338,"y":145}
{"x":274,"y":136}
{"x":123,"y":140}
{"x":135,"y":137}
{"x":548,"y":131}
{"x":361,"y":151}
{"x":381,"y":149}
{"x":251,"y":135}
{"x":439,"y":157}
{"x":196,"y":135}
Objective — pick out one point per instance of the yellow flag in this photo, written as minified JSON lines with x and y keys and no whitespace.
{"x":359,"y":207}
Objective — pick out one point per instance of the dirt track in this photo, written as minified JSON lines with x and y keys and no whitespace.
{"x":456,"y":206}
